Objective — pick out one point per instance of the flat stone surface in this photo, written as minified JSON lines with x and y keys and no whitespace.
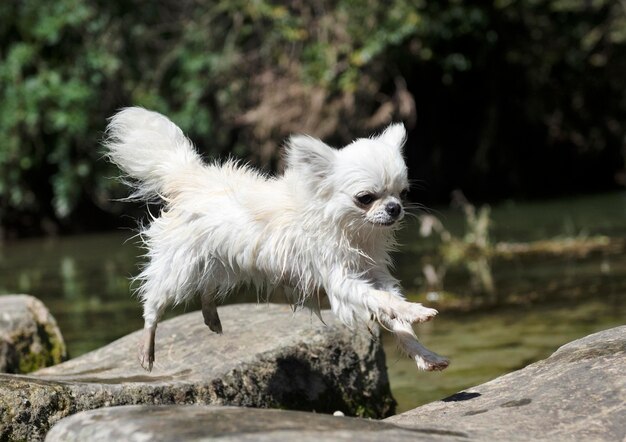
{"x":29,"y":336}
{"x":204,"y":423}
{"x":267,"y":357}
{"x":577,"y":394}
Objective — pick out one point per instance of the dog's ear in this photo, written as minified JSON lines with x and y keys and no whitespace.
{"x":394,"y":136}
{"x":309,"y":156}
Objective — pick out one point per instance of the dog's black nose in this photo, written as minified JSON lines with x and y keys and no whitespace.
{"x":393,"y":209}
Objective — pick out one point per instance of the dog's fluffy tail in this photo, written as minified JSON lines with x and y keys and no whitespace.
{"x":150,"y":149}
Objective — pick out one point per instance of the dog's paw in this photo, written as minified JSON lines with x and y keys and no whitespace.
{"x":431,"y":362}
{"x":412,"y":312}
{"x":211,"y":318}
{"x":423,"y":314}
{"x":146,"y":350}
{"x":145,"y":359}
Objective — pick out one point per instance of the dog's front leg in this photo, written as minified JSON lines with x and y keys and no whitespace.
{"x":388,"y":289}
{"x":353,"y":298}
{"x":423,"y":357}
{"x":395,"y":307}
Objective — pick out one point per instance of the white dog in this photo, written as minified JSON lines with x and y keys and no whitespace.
{"x":326,"y":225}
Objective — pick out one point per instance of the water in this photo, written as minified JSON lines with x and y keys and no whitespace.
{"x":539,"y":302}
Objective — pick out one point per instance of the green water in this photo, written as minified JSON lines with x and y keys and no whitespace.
{"x":539,"y":302}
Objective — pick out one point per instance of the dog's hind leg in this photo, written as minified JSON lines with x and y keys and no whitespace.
{"x":152,"y":311}
{"x":146,"y":347}
{"x":209,"y":312}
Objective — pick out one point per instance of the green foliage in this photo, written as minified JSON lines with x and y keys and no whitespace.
{"x":239,"y":75}
{"x":51,"y":77}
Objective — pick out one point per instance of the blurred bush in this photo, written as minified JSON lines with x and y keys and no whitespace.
{"x":488,"y":81}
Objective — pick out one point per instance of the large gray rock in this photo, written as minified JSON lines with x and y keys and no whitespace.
{"x":267,"y":357}
{"x":578,"y":393}
{"x":203,"y":423}
{"x":29,"y":336}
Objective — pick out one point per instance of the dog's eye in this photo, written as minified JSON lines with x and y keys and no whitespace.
{"x":404,"y":194}
{"x":365,"y":199}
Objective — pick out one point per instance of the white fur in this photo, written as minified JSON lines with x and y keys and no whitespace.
{"x":224,"y":225}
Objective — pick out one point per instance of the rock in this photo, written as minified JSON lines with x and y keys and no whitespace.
{"x":29,"y":336}
{"x":203,"y":423}
{"x":578,"y":393}
{"x":267,"y":357}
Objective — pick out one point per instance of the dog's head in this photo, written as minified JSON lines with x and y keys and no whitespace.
{"x":362,"y":184}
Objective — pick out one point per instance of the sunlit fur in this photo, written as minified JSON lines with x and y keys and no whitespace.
{"x":225,"y":224}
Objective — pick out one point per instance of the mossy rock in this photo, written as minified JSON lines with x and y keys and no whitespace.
{"x":267,"y":357}
{"x":29,"y":336}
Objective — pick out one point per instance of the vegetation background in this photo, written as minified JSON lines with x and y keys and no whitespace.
{"x":504,"y":98}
